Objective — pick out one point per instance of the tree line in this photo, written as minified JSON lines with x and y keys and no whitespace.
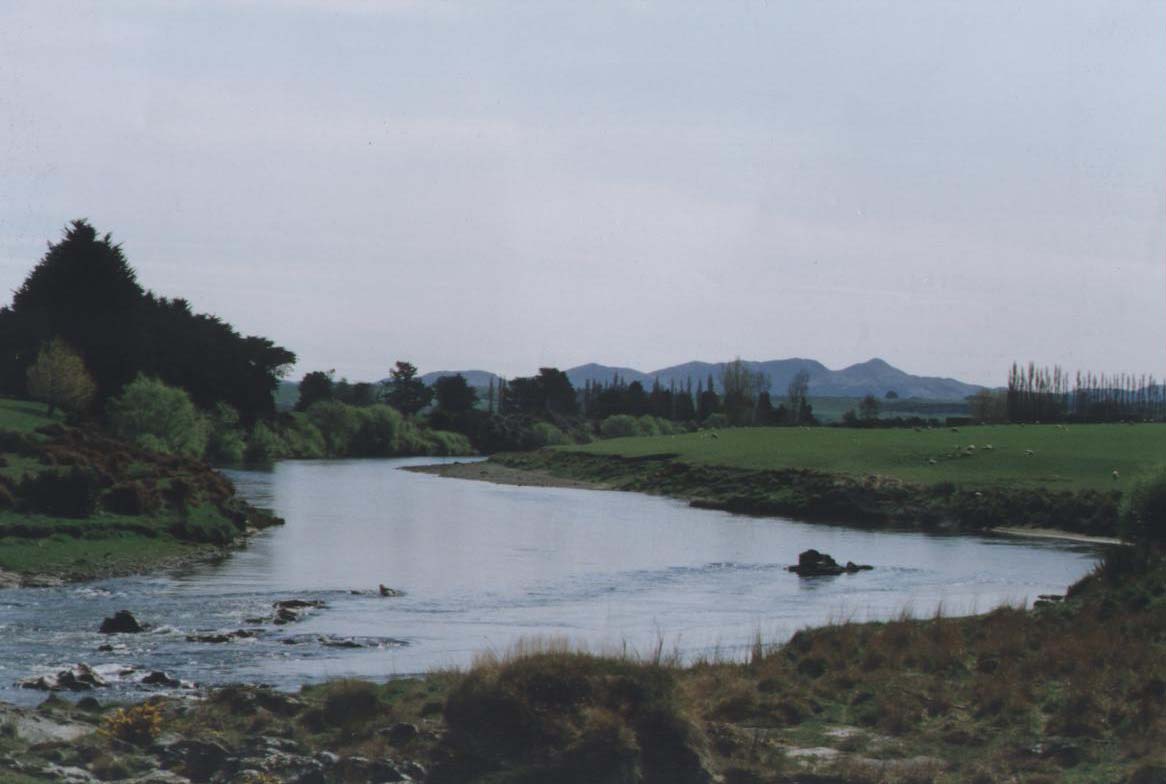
{"x":1044,"y":394}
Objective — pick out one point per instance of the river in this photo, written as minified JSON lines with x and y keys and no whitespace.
{"x":483,"y":566}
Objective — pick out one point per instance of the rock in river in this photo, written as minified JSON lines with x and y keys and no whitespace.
{"x":812,"y":563}
{"x":122,"y":622}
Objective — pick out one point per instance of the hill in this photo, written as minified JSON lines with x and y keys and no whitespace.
{"x":875,"y":377}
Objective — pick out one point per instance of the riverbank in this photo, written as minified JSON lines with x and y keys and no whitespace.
{"x":873,"y":501}
{"x":76,"y":504}
{"x":1069,"y":691}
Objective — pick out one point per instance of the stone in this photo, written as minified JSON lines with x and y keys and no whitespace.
{"x":122,"y":622}
{"x":812,"y":563}
{"x":401,"y":732}
{"x":159,"y":678}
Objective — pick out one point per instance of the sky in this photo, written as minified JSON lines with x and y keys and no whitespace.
{"x":950,"y":186}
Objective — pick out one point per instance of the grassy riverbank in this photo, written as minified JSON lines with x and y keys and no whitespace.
{"x":973,"y":478}
{"x":1072,"y":691}
{"x":76,"y":504}
{"x":1054,"y":457}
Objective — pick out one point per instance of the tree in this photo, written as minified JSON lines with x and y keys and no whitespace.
{"x":892,"y":395}
{"x":454,"y":394}
{"x":58,"y":378}
{"x":314,"y":387}
{"x":550,"y":392}
{"x":868,"y":408}
{"x":798,"y":394}
{"x":742,"y":387}
{"x":407,"y":393}
{"x":84,"y":291}
{"x":158,"y":417}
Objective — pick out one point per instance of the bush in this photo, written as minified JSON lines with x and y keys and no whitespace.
{"x":378,"y":433}
{"x":263,"y":446}
{"x":224,"y":441}
{"x":548,"y":434}
{"x":350,"y":702}
{"x":619,"y":426}
{"x":1142,"y":515}
{"x":138,"y":725}
{"x":131,"y":498}
{"x":447,"y":444}
{"x":715,"y":420}
{"x":337,"y":423}
{"x":158,"y":417}
{"x":204,"y":524}
{"x":72,"y":494}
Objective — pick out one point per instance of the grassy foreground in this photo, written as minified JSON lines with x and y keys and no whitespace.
{"x":1072,"y":691}
{"x":75,"y":504}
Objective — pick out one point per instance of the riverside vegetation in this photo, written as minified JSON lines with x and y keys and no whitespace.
{"x":77,"y":504}
{"x":1073,"y":690}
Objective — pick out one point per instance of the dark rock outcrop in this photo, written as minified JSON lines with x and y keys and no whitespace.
{"x":122,"y":622}
{"x":812,"y":563}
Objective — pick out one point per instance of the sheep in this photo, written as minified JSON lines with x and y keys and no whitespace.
{"x":988,"y":447}
{"x":1029,"y":452}
{"x":933,"y":461}
{"x":1115,"y":474}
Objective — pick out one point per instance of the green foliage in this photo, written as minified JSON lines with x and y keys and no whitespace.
{"x":715,"y":420}
{"x":58,"y":378}
{"x":206,"y":524}
{"x":446,"y":444}
{"x":158,"y":417}
{"x":454,"y":394}
{"x":337,"y":423}
{"x":619,"y":426}
{"x":315,"y":387}
{"x":407,"y":393}
{"x":378,"y":432}
{"x":868,"y":408}
{"x":224,"y":439}
{"x":548,"y":434}
{"x":84,"y":292}
{"x":1142,"y":514}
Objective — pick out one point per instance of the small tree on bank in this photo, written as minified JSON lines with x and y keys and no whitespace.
{"x":158,"y":417}
{"x":58,"y":378}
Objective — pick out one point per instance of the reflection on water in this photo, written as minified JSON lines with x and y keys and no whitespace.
{"x":484,"y":565}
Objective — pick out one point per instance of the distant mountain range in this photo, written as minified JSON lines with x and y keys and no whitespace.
{"x":874,"y":376}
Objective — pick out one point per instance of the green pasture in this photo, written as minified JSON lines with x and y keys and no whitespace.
{"x":1071,"y":457}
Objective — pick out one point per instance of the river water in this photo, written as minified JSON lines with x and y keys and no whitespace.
{"x":484,"y":566}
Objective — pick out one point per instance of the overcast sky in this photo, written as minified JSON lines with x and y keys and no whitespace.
{"x":949,"y":186}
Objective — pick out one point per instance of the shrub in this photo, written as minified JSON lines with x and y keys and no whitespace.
{"x":350,"y":702}
{"x":337,"y":423}
{"x":224,"y":441}
{"x":204,"y":524}
{"x":138,"y":725}
{"x":378,"y":433}
{"x":131,"y":498}
{"x":447,"y":444}
{"x":1142,"y":515}
{"x":548,"y":434}
{"x":263,"y":445}
{"x":715,"y":420}
{"x":72,"y":494}
{"x":619,"y":426}
{"x":158,"y":417}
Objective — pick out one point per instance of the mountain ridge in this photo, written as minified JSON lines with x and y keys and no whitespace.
{"x":875,"y":376}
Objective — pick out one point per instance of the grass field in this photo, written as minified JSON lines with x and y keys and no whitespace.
{"x":1072,"y":458}
{"x":24,"y":416}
